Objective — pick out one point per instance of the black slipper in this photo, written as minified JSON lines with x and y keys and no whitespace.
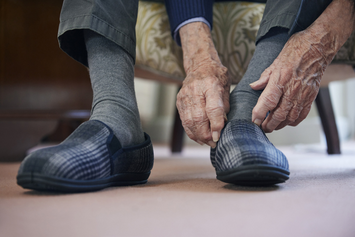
{"x":90,"y":159}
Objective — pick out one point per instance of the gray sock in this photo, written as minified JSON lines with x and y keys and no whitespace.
{"x":112,"y":78}
{"x":243,"y":98}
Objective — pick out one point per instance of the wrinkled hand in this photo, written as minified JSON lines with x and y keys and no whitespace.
{"x":292,"y":82}
{"x":203,"y":102}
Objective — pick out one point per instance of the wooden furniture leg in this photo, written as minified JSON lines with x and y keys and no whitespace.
{"x":177,"y":139}
{"x":178,"y":134}
{"x":325,"y":110}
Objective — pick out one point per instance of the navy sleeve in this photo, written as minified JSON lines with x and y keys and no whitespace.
{"x":182,"y":10}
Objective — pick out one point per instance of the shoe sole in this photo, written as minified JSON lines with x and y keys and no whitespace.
{"x":47,"y":183}
{"x":254,"y":175}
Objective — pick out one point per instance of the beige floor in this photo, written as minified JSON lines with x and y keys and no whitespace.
{"x":183,"y":198}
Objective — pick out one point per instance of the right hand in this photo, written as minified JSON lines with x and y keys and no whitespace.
{"x":203,"y":100}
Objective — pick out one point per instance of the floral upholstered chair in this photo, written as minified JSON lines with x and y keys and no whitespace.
{"x":235,"y":25}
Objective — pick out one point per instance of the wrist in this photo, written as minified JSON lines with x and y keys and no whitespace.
{"x":197,"y":46}
{"x":331,"y":30}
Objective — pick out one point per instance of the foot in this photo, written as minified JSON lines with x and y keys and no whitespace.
{"x":245,"y":156}
{"x":91,"y":158}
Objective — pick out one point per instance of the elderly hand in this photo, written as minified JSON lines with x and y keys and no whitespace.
{"x":203,"y":100}
{"x":292,"y":81}
{"x":291,"y":84}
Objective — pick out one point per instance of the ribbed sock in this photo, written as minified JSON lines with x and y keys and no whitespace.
{"x":243,"y":98}
{"x":112,"y":78}
{"x":94,"y":150}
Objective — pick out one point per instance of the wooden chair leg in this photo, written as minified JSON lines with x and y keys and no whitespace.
{"x":177,"y":139}
{"x":178,"y":134}
{"x":327,"y":117}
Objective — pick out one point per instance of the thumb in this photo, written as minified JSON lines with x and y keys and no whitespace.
{"x":262,"y":82}
{"x":267,"y":101}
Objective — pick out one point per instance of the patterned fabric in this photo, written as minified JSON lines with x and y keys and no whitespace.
{"x":156,"y":49}
{"x":90,"y":152}
{"x":82,"y":156}
{"x":235,"y":25}
{"x":234,"y":31}
{"x":80,"y":161}
{"x":244,"y":143}
{"x":135,"y":159}
{"x":182,"y":10}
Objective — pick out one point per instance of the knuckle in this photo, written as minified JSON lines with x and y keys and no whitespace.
{"x":291,"y":118}
{"x":215,"y":109}
{"x":266,"y":72}
{"x":279,"y":115}
{"x":270,"y":101}
{"x":294,"y":114}
{"x":218,"y":124}
{"x":257,"y":111}
{"x":205,"y":137}
{"x":187,"y":123}
{"x":260,"y":111}
{"x":198,"y":118}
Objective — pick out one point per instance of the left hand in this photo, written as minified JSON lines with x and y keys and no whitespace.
{"x":290,"y":84}
{"x":292,"y":81}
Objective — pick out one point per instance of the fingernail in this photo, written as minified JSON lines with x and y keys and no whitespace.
{"x":252,"y":84}
{"x":215,"y":136}
{"x":212,"y":144}
{"x":257,"y":122}
{"x":199,"y":142}
{"x":225,"y":118}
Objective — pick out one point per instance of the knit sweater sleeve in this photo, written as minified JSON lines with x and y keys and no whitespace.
{"x":182,"y":10}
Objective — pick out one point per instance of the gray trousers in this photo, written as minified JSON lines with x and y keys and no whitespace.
{"x":116,"y":19}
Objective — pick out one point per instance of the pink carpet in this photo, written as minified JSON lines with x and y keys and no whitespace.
{"x":183,"y":198}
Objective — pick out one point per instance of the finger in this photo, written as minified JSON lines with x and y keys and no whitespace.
{"x":263,"y":80}
{"x":278,"y":115}
{"x":201,"y":123}
{"x":185,"y":121}
{"x":185,"y":115}
{"x":291,"y":117}
{"x":192,"y":136}
{"x":226,"y":101}
{"x":302,"y":115}
{"x":267,"y":101}
{"x":215,"y":112}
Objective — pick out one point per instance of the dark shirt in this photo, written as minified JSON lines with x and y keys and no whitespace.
{"x":182,"y":10}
